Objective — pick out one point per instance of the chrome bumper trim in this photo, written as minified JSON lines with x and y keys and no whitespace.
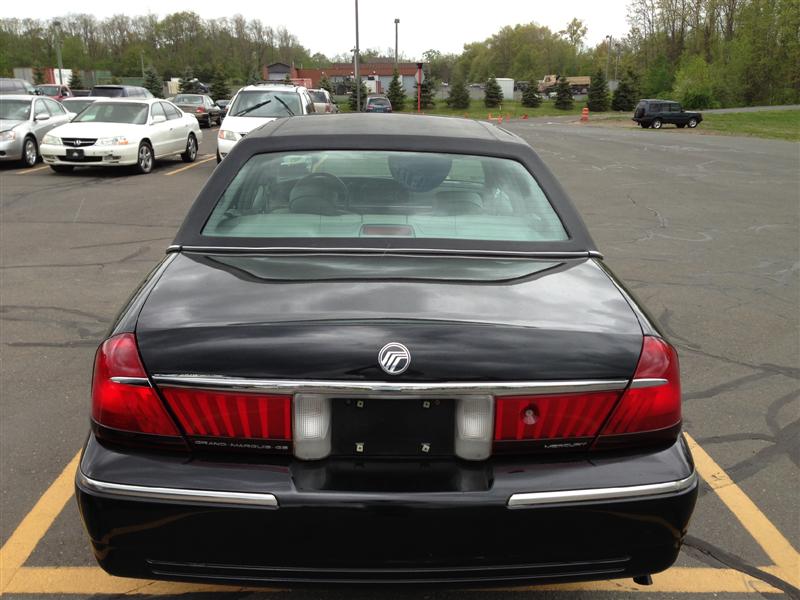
{"x":612,"y":493}
{"x":288,"y":386}
{"x":142,"y":492}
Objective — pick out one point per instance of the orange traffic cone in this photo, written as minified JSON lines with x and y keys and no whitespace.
{"x":525,"y":116}
{"x":585,"y":114}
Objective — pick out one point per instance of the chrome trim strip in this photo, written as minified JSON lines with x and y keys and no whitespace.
{"x":289,"y":386}
{"x":612,"y":493}
{"x":646,"y":383}
{"x":143,"y":492}
{"x":383,"y":251}
{"x":140,"y":381}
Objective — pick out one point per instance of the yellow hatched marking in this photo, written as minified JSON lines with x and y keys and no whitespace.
{"x":774,"y":544}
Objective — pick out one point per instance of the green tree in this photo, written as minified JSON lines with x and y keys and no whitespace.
{"x":75,"y":81}
{"x":458,"y":95}
{"x":563,"y":94}
{"x":326,"y":84}
{"x":493,"y":95}
{"x":38,"y":75}
{"x":693,"y":84}
{"x":625,"y":97}
{"x":253,"y":77}
{"x":187,"y":84}
{"x":598,"y":93}
{"x":219,"y":85}
{"x":426,"y":91}
{"x":530,"y":97}
{"x":287,"y":80}
{"x":396,"y":93}
{"x":353,"y":97}
{"x":153,"y":82}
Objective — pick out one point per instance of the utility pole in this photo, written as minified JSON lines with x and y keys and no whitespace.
{"x":355,"y":61}
{"x":57,"y":27}
{"x":396,"y":23}
{"x":608,"y":55}
{"x":141,"y":55}
{"x":616,"y":63}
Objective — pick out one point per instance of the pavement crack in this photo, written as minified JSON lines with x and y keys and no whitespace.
{"x":734,"y":562}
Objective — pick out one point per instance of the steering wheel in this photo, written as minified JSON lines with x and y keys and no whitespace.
{"x":306,"y":197}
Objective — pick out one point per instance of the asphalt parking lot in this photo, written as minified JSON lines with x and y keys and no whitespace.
{"x":703,"y":228}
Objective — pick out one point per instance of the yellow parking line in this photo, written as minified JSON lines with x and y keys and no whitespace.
{"x":33,"y":170}
{"x":34,"y":526}
{"x":194,"y":164}
{"x":774,"y":544}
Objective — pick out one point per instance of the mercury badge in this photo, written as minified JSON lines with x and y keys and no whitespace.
{"x":394,"y":358}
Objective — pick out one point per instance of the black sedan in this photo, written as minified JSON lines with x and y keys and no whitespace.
{"x":385,"y":351}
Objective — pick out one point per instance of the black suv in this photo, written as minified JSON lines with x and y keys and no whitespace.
{"x":655,"y":113}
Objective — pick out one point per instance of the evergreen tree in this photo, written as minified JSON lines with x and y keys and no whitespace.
{"x":396,"y":94}
{"x":493,"y":93}
{"x":326,"y":84}
{"x":458,"y":95}
{"x":187,"y":84}
{"x":426,"y":91}
{"x":598,"y":93}
{"x":75,"y":81}
{"x":153,"y":83}
{"x":287,"y":80}
{"x":563,"y":94}
{"x":353,"y":97}
{"x":253,"y":77}
{"x":219,"y":85}
{"x":38,"y":75}
{"x":530,"y":97}
{"x":625,"y":96}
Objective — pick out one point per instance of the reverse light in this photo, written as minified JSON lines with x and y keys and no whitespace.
{"x":117,"y":140}
{"x":474,"y":420}
{"x":226,"y":134}
{"x":312,"y":426}
{"x":652,"y":403}
{"x":122,"y":397}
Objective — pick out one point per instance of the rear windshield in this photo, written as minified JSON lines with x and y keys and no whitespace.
{"x":50,"y":90}
{"x":369,"y":194}
{"x":378,"y":101}
{"x":188,"y":99}
{"x":318,"y":96}
{"x":108,"y":92}
{"x":114,"y":112}
{"x":14,"y":110}
{"x":265,"y":103}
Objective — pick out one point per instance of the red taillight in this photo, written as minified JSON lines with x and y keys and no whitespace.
{"x":231,"y":414}
{"x":552,"y":417}
{"x":652,"y":403}
{"x":200,"y":109}
{"x":129,"y":403}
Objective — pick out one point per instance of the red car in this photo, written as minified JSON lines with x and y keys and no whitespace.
{"x":55,"y":91}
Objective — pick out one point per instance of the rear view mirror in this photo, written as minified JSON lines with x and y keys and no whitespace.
{"x":158,"y":119}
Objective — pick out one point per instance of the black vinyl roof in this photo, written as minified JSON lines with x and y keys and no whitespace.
{"x":388,"y":132}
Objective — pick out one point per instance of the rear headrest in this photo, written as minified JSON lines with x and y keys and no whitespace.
{"x":458,"y":203}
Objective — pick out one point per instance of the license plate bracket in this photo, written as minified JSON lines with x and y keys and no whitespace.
{"x":392,"y":427}
{"x":74,"y":153}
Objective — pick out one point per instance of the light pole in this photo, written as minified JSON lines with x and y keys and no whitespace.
{"x":608,"y":54}
{"x":355,"y":66}
{"x":396,"y":23}
{"x":616,"y":61}
{"x":141,"y":55}
{"x":57,"y":27}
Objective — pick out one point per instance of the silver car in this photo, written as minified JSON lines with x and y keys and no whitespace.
{"x":24,"y":120}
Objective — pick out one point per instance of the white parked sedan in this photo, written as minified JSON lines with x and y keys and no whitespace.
{"x":122,"y":131}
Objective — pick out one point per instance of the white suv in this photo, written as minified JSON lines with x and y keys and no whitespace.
{"x":254,"y":105}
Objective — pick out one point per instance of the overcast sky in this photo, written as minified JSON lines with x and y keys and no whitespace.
{"x":327,"y":26}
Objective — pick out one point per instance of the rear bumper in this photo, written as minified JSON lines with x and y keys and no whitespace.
{"x":503,"y":522}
